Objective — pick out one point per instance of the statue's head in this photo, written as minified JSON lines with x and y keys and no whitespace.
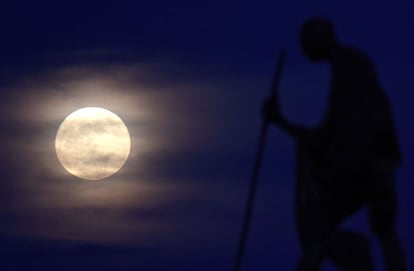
{"x":318,"y":39}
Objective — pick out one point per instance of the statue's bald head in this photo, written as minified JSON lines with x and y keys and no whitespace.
{"x":317,"y":37}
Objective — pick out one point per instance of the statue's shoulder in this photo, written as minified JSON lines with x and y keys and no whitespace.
{"x":352,"y":57}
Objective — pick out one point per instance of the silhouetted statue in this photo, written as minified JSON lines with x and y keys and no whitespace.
{"x":347,"y":162}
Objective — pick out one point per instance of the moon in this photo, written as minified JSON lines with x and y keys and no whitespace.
{"x":92,"y":143}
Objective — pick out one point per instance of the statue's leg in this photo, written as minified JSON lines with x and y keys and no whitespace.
{"x":312,"y":256}
{"x":312,"y":227}
{"x":382,"y":211}
{"x":314,"y":230}
{"x":320,"y":208}
{"x":349,"y":251}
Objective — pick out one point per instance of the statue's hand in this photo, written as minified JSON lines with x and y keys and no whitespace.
{"x":271,"y":112}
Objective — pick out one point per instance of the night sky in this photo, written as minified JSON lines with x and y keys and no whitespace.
{"x":188,"y":79}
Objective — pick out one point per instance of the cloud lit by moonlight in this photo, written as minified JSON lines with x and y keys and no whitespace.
{"x":92,"y":143}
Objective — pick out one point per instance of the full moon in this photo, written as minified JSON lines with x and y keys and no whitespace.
{"x":92,"y":143}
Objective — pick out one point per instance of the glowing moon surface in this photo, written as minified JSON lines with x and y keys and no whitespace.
{"x":92,"y":143}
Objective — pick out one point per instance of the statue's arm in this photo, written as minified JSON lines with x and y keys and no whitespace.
{"x":296,"y":131}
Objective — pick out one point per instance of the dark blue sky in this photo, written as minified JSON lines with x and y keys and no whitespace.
{"x":188,"y":79}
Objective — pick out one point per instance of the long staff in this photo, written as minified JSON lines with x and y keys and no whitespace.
{"x":257,"y":166}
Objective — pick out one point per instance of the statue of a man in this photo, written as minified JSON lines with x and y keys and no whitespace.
{"x":347,"y":162}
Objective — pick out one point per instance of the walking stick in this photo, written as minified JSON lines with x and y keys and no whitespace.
{"x":257,"y":166}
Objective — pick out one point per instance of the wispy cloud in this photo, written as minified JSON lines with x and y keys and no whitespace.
{"x":193,"y":144}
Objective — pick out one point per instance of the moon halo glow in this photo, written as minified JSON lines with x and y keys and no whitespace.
{"x":92,"y":143}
